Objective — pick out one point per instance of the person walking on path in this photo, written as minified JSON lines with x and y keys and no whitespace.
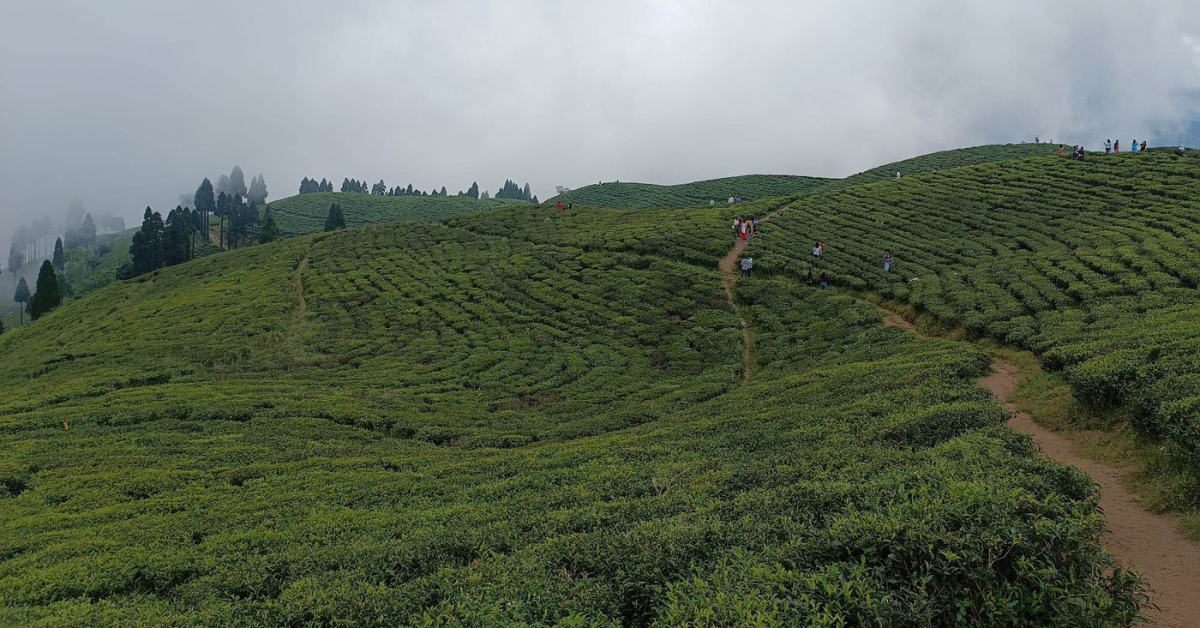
{"x":747,"y":264}
{"x":887,"y":262}
{"x":737,"y":223}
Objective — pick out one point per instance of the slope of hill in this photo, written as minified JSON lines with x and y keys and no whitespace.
{"x":305,"y":213}
{"x":496,"y":423}
{"x":648,"y":195}
{"x":1092,"y":265}
{"x":945,"y":160}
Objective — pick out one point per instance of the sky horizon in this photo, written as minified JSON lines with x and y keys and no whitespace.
{"x":130,"y":103}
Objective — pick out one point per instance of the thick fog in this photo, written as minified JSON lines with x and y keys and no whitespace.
{"x":129,"y":103}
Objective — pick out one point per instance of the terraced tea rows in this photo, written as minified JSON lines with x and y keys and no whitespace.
{"x":647,"y":195}
{"x":306,"y":213}
{"x":430,"y":425}
{"x":1091,"y":265}
{"x":947,"y":159}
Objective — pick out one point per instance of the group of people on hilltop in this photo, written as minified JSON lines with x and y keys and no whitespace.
{"x":1115,"y":147}
{"x":567,"y":206}
{"x":1077,"y":152}
{"x":745,"y":228}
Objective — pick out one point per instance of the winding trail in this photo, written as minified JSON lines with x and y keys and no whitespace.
{"x":729,"y":277}
{"x":1138,"y":538}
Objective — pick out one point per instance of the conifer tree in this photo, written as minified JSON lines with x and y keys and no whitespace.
{"x":60,"y":259}
{"x":22,"y":296}
{"x":87,"y":231}
{"x":258,"y":191}
{"x":47,"y":297}
{"x":15,"y":259}
{"x":206,"y":205}
{"x":336,"y":219}
{"x":473,"y":191}
{"x":270,"y":231}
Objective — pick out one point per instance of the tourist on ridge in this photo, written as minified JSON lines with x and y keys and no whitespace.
{"x":560,"y":206}
{"x":731,"y":199}
{"x":1135,"y":147}
{"x":747,"y":264}
{"x":1117,"y":146}
{"x":1143,"y":146}
{"x":1060,"y":150}
{"x":1107,"y":146}
{"x":887,"y":262}
{"x":897,"y":174}
{"x":1182,"y":150}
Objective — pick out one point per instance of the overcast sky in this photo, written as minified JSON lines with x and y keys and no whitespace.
{"x":128,"y":103}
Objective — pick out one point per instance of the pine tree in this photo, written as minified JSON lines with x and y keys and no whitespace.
{"x":525,"y":193}
{"x":473,"y":191}
{"x":206,"y":205}
{"x":336,"y":219}
{"x":147,"y":247}
{"x":22,"y":296}
{"x":237,"y":182}
{"x":175,"y":238}
{"x":47,"y":297}
{"x":87,"y":232}
{"x":258,"y":191}
{"x":485,"y":196}
{"x":60,"y":259}
{"x":270,"y":231}
{"x":15,"y":259}
{"x":443,"y":190}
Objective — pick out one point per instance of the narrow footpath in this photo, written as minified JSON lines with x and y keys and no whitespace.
{"x":1139,"y":539}
{"x":729,"y":276}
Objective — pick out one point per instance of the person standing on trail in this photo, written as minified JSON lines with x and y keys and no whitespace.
{"x":745,"y":229}
{"x":1107,"y":146}
{"x":755,"y":226}
{"x":887,"y":262}
{"x":747,"y":264}
{"x":737,"y":222}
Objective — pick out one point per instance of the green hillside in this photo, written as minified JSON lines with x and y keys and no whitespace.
{"x":647,"y":195}
{"x":948,"y":159}
{"x":1092,"y":265}
{"x":305,"y":213}
{"x":519,"y":416}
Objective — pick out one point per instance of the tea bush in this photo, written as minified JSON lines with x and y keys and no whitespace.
{"x":1092,"y":265}
{"x":417,"y":424}
{"x":306,"y":213}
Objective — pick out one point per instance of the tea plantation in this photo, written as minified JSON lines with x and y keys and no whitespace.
{"x":520,"y":417}
{"x":646,"y":195}
{"x":1092,"y":265}
{"x":305,"y":213}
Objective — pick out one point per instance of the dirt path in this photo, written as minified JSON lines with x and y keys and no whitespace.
{"x":892,"y":319}
{"x":730,"y":271}
{"x":1140,"y":539}
{"x":303,"y":309}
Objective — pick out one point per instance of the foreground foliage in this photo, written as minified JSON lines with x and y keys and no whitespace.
{"x":482,"y":425}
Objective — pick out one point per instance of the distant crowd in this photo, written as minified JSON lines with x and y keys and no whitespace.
{"x":1077,"y":151}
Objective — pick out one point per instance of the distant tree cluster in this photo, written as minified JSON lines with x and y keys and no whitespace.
{"x":354,"y":186}
{"x":511,"y":190}
{"x":309,"y":186}
{"x":162,"y":243}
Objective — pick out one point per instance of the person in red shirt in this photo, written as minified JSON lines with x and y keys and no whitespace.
{"x":560,"y":207}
